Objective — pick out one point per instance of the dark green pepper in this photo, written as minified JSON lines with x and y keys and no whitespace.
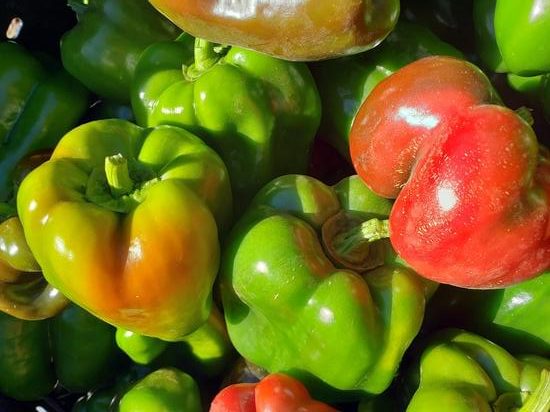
{"x":345,"y":83}
{"x":74,"y":349}
{"x":515,"y":316}
{"x":310,"y":289}
{"x":103,"y":48}
{"x":259,"y":113}
{"x":38,"y":105}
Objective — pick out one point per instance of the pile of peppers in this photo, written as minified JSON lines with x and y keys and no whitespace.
{"x":269,"y":205}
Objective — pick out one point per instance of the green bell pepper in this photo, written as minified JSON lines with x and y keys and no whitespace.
{"x":259,"y":113}
{"x":74,"y":349}
{"x":38,"y":105}
{"x":102,"y":49}
{"x":164,"y":390}
{"x":205,"y":352}
{"x":510,"y":33}
{"x":310,"y":289}
{"x":461,"y":371}
{"x":515,"y":316}
{"x":345,"y":83}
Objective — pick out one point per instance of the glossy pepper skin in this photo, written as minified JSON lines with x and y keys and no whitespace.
{"x":166,"y":389}
{"x":102,"y":49}
{"x":259,"y":113}
{"x":38,"y":105}
{"x":471,"y":183}
{"x":206,"y":352}
{"x":520,"y":27}
{"x":75,"y":350}
{"x":461,"y":371}
{"x":292,"y":30}
{"x":275,"y":392}
{"x":135,"y":212}
{"x":341,"y":96}
{"x":511,"y":316}
{"x":290,"y":309}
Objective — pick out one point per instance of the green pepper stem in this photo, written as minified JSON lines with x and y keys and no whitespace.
{"x":118,"y":175}
{"x":352,"y":242}
{"x":367,"y":232}
{"x":206,"y":56}
{"x":539,"y":400}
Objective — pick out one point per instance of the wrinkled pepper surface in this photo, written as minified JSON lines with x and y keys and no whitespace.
{"x":512,"y":316}
{"x":166,"y":389}
{"x":342,"y":95}
{"x":297,"y":30}
{"x":38,"y":105}
{"x":74,"y":349}
{"x":275,"y":392}
{"x":472,"y":184}
{"x":309,"y":291}
{"x":461,"y":371}
{"x":135,"y":213}
{"x":259,"y":113}
{"x":102,"y":49}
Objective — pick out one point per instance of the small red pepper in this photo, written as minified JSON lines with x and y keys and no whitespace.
{"x":275,"y":392}
{"x":472,"y":184}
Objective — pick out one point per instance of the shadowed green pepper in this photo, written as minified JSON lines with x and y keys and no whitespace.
{"x":103,"y":48}
{"x":310,"y":289}
{"x":74,"y":348}
{"x":38,"y":105}
{"x":259,"y":113}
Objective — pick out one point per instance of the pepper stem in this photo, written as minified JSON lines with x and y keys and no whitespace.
{"x":350,"y":241}
{"x":118,"y":175}
{"x":206,"y":55}
{"x":539,"y":401}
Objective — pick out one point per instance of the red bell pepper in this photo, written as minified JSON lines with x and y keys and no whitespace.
{"x":471,"y":182}
{"x":275,"y":392}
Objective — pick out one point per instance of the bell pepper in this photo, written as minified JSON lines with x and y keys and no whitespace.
{"x":513,"y":316}
{"x":259,"y":113}
{"x":38,"y":105}
{"x":306,"y":294}
{"x":205,"y":353}
{"x":304,"y":30}
{"x":166,"y":389}
{"x":520,"y":26}
{"x":102,"y":49}
{"x":275,"y":392}
{"x":135,"y":213}
{"x":461,"y":371}
{"x":342,"y":95}
{"x":75,"y":349}
{"x":471,"y":183}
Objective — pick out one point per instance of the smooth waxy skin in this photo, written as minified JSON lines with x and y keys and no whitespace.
{"x":145,"y":261}
{"x":472,"y":184}
{"x":164,"y":390}
{"x":512,"y":316}
{"x":461,"y":371}
{"x":37,"y":107}
{"x":259,"y":113}
{"x":103,"y":48}
{"x":292,"y":30}
{"x":289,"y":309}
{"x":521,"y":30}
{"x":275,"y":392}
{"x":345,"y":83}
